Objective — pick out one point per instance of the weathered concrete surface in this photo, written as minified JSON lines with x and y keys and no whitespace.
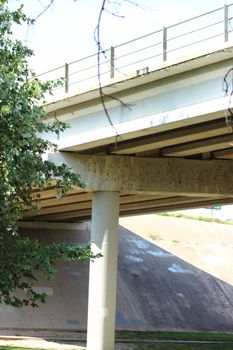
{"x":177,"y":275}
{"x":168,"y":176}
{"x":183,"y":280}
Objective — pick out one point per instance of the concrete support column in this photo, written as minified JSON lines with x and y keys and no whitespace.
{"x":103,"y":272}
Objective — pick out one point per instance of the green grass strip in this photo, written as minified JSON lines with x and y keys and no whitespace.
{"x":154,"y":347}
{"x":195,"y":336}
{"x":17,"y":348}
{"x":183,"y":347}
{"x":199,"y":218}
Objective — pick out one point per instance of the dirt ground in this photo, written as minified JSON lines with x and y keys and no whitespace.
{"x":41,"y":343}
{"x":33,"y":342}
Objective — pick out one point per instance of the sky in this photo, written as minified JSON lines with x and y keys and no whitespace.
{"x":65,"y":32}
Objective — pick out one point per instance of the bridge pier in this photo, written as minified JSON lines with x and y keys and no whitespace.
{"x":103,"y":272}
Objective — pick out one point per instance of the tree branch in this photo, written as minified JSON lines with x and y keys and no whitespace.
{"x":44,"y":10}
{"x":228,"y":91}
{"x":100,"y":49}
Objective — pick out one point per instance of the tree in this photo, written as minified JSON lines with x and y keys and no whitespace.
{"x":22,"y":169}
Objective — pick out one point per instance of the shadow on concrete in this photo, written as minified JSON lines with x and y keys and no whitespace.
{"x":159,"y":291}
{"x":156,"y":291}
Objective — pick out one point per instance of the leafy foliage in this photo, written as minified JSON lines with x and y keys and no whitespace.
{"x":22,"y":169}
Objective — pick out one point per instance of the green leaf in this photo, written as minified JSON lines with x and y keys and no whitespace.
{"x":22,"y":169}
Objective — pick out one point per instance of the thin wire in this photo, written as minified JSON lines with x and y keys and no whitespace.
{"x":228,"y":91}
{"x":102,"y":94}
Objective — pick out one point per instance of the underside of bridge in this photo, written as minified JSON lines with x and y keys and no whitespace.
{"x":127,"y":185}
{"x":181,"y":162}
{"x":185,"y":167}
{"x":145,"y":185}
{"x":172,"y":146}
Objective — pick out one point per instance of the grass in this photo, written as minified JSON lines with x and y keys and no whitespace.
{"x":199,"y":218}
{"x":183,"y":347}
{"x":21,"y":348}
{"x":195,"y":336}
{"x":16,"y":348}
{"x":156,"y":347}
{"x":144,"y":341}
{"x":156,"y":237}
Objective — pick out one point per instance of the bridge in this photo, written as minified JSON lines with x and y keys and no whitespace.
{"x":158,"y":137}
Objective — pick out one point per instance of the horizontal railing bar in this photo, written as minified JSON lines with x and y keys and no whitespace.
{"x":144,"y":59}
{"x":87,"y":57}
{"x":87,"y":68}
{"x":195,"y":17}
{"x":132,"y":52}
{"x":139,"y":38}
{"x":171,"y":26}
{"x":194,"y":31}
{"x":50,"y":71}
{"x":195,"y":42}
{"x":88,"y":78}
{"x":141,"y":51}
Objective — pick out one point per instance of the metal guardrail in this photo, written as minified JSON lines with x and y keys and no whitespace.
{"x":143,"y":52}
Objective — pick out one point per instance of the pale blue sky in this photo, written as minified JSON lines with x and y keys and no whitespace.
{"x":65,"y":32}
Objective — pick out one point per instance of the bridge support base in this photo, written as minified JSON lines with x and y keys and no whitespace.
{"x":103,"y":272}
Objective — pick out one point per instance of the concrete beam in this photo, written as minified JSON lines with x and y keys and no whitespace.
{"x":163,"y":176}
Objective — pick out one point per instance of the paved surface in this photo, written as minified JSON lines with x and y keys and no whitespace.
{"x":41,"y":343}
{"x":174,"y":274}
{"x":30,"y":342}
{"x":37,"y":343}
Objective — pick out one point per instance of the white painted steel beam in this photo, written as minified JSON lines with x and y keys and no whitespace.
{"x":178,"y":136}
{"x":97,"y":135}
{"x":200,"y":146}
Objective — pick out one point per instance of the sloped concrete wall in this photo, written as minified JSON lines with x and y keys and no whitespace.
{"x":174,"y":274}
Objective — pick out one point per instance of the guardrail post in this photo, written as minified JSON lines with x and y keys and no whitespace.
{"x":112,"y":62}
{"x":164,"y":43}
{"x":225,"y":22}
{"x":66,"y":77}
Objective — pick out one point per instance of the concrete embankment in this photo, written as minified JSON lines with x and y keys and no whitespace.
{"x":173,"y":274}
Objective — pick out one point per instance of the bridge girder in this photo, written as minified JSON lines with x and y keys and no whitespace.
{"x":161,"y":176}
